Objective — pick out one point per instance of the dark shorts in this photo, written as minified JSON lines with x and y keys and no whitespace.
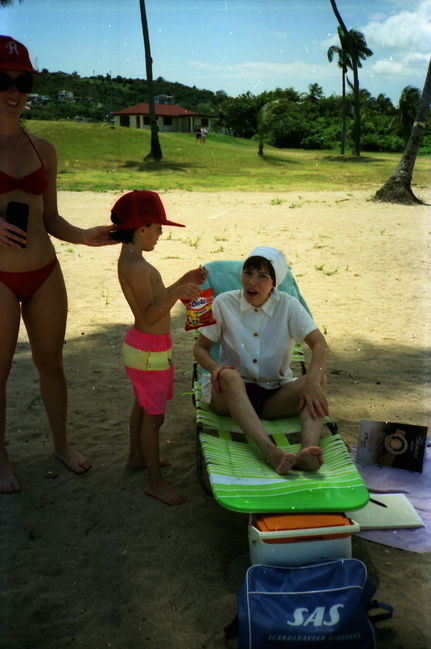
{"x":258,"y":395}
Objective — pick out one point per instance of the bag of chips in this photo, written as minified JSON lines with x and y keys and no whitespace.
{"x":199,"y":311}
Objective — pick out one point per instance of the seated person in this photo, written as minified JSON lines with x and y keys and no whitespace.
{"x":257,"y":327}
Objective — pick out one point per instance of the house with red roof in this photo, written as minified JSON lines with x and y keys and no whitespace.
{"x":170,"y":118}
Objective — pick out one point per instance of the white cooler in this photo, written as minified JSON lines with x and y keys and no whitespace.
{"x":295,"y":539}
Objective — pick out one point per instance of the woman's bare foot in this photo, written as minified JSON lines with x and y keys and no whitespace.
{"x":309,"y":459}
{"x":167,"y":494}
{"x":8,"y":483}
{"x":280,"y":461}
{"x":74,"y":461}
{"x":138,"y":463}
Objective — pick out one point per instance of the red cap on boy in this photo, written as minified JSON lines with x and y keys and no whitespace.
{"x":138,"y":208}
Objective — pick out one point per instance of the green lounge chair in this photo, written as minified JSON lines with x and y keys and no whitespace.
{"x":231,"y":467}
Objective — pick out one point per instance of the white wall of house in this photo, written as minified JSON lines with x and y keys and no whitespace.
{"x":186,"y":124}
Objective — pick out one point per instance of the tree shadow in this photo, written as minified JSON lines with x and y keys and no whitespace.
{"x":66,"y":531}
{"x":350,"y":158}
{"x":277,"y":161}
{"x":383,"y":382}
{"x":160,"y":165}
{"x":99,"y":530}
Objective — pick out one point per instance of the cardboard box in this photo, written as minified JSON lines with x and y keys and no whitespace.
{"x":401,"y":446}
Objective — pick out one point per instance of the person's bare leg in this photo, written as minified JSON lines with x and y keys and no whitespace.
{"x":157,"y":487}
{"x":285,"y":403}
{"x":234,"y":399}
{"x":9,"y":327}
{"x":136,"y":460}
{"x":45,"y":319}
{"x":310,"y":457}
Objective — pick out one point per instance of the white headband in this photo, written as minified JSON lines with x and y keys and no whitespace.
{"x":276,"y":258}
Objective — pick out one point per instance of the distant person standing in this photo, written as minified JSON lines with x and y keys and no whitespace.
{"x":204,"y":133}
{"x":198,"y":133}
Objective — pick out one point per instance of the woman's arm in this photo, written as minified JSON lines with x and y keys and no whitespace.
{"x":202,"y":353}
{"x":314,"y":391}
{"x":55,"y":224}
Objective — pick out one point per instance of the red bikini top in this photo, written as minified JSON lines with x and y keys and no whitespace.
{"x":34,"y":183}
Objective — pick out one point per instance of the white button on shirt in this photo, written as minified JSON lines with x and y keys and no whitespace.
{"x":257,"y":341}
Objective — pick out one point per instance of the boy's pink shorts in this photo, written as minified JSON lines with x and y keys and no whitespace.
{"x":148,"y":362}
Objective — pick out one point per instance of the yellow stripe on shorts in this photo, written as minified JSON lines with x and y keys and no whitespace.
{"x":137,"y":359}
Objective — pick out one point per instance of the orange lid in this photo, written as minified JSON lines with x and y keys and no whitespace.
{"x":279,"y":522}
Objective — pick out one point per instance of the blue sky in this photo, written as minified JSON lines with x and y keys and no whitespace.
{"x":231,"y":45}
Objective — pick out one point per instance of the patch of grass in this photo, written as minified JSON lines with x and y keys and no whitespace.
{"x":326,"y":272}
{"x":99,"y":157}
{"x":193,"y":243}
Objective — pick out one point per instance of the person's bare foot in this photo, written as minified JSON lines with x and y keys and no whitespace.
{"x":8,"y":483}
{"x":309,"y":459}
{"x":167,"y":494}
{"x":280,"y":461}
{"x":137,"y":464}
{"x":74,"y":461}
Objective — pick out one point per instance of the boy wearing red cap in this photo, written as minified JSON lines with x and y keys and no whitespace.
{"x":147,"y":350}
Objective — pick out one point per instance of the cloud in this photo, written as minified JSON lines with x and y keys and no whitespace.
{"x":405,"y":30}
{"x":412,"y":66}
{"x":253,"y":70}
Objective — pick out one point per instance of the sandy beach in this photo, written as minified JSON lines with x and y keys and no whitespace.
{"x":90,"y":561}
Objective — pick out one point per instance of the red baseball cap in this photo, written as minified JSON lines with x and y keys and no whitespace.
{"x":138,"y":208}
{"x":14,"y":56}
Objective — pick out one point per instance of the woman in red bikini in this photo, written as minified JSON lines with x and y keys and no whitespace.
{"x":31,"y":282}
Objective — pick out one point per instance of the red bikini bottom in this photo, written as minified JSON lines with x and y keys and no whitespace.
{"x":25,"y":285}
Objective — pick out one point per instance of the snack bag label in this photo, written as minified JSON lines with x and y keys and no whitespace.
{"x":199,"y":311}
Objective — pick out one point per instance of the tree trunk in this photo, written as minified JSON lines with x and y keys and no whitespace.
{"x":397,"y":188}
{"x":357,"y":107}
{"x":156,"y":151}
{"x":357,"y":110}
{"x":343,"y":115}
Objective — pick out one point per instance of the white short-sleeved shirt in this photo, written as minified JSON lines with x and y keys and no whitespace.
{"x":258,"y":341}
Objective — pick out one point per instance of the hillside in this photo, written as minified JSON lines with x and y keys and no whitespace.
{"x":97,"y":97}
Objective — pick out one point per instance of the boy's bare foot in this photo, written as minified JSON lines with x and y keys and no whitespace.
{"x":280,"y":461}
{"x":8,"y":483}
{"x":74,"y":461}
{"x":137,"y":464}
{"x":167,"y":494}
{"x":309,"y":459}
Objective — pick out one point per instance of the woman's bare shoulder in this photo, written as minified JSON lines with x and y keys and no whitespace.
{"x":43,"y":146}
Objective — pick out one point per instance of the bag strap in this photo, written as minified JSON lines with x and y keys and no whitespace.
{"x":379,"y":617}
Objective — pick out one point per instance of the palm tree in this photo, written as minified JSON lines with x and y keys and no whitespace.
{"x":315,"y":93}
{"x":266,"y":116}
{"x":343,"y":65}
{"x":397,"y":189}
{"x":156,"y":151}
{"x":355,"y":48}
{"x":407,"y":109}
{"x":384,"y":104}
